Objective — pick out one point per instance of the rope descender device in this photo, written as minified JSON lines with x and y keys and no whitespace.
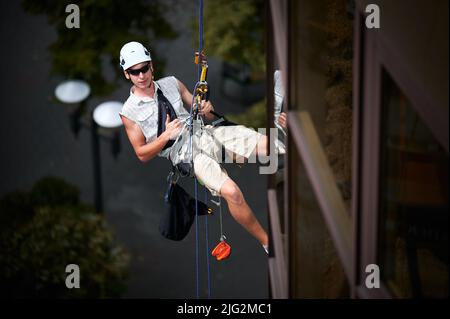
{"x":201,"y":91}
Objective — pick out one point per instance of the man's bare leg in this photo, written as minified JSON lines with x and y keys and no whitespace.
{"x":241,"y":212}
{"x":261,"y":148}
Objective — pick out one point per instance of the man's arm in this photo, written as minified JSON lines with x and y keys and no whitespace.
{"x":148,"y":151}
{"x":186,"y":96}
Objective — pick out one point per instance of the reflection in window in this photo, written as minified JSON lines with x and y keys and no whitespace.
{"x":280,"y":118}
{"x":413,"y":242}
{"x":278,"y":91}
{"x":317,"y":271}
{"x":322,"y":57}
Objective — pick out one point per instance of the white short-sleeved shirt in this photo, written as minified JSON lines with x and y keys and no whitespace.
{"x":144,"y":110}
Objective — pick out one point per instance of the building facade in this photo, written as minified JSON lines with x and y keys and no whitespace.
{"x":360,"y":209}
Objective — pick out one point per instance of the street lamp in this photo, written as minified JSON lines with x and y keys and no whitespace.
{"x":74,"y":94}
{"x":104,"y":120}
{"x":106,"y":117}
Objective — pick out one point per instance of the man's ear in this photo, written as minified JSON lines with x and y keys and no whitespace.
{"x":126,"y":75}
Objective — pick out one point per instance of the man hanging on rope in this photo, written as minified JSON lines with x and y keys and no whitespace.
{"x":151,"y":136}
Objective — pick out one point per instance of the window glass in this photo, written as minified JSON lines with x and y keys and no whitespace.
{"x":321,"y":80}
{"x":316,"y":270}
{"x":413,"y":239}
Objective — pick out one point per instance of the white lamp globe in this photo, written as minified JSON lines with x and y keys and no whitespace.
{"x":72,"y":91}
{"x":107,"y":114}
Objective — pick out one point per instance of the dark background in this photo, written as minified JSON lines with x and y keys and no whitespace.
{"x":36,"y":141}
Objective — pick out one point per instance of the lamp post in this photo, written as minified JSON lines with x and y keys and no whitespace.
{"x":105,"y":117}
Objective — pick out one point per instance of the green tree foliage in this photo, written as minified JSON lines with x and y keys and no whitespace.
{"x":234,"y":32}
{"x":45,"y":230}
{"x":255,"y":116}
{"x":105,"y":25}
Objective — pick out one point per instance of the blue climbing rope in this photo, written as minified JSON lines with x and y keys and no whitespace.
{"x":199,"y":70}
{"x":200,"y":36}
{"x":207,"y":248}
{"x":196,"y":242}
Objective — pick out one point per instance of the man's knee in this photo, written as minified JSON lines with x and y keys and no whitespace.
{"x":261,"y":147}
{"x":231,"y":192}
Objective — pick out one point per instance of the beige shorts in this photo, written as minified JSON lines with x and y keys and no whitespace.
{"x":237,"y":140}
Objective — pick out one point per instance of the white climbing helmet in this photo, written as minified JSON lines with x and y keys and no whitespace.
{"x":133,"y":53}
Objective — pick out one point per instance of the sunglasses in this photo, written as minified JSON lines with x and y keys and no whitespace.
{"x":136,"y":72}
